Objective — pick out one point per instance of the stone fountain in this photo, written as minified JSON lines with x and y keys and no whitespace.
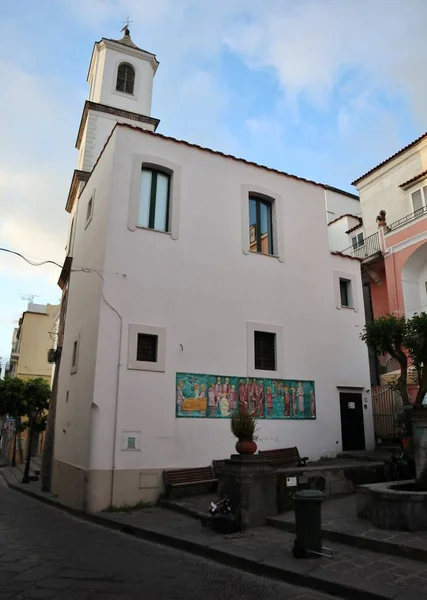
{"x":400,"y":505}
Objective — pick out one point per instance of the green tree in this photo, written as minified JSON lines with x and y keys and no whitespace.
{"x":386,"y":335}
{"x":18,"y":398}
{"x":406,"y":341}
{"x":416,"y":343}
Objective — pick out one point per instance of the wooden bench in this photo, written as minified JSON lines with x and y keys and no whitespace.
{"x":217,"y":466}
{"x":187,"y":481}
{"x":284,"y":457}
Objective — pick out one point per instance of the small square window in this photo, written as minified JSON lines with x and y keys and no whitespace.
{"x":146,"y":349}
{"x":131,"y":443}
{"x":358,"y":241}
{"x":345,"y":292}
{"x":265,"y":351}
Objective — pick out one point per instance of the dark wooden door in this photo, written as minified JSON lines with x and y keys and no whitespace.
{"x":352,"y":426}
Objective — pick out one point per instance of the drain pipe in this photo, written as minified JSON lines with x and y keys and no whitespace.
{"x":119,"y":364}
{"x":116,"y":407}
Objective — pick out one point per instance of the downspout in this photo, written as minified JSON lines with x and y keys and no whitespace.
{"x":116,"y":407}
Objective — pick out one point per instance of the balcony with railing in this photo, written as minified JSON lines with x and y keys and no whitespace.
{"x":366,"y":248}
{"x":407,"y":219}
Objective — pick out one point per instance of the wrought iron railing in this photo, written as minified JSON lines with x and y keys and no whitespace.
{"x":411,"y":217}
{"x":369,"y":247}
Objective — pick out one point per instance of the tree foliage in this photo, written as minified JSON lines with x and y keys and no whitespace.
{"x":18,"y":398}
{"x":386,"y":335}
{"x":405,"y":340}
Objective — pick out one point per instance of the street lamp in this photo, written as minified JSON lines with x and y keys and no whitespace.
{"x":31,"y":417}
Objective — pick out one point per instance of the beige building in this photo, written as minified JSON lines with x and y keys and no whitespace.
{"x":31,"y":342}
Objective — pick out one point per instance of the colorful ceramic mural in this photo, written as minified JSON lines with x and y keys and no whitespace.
{"x":218,"y":396}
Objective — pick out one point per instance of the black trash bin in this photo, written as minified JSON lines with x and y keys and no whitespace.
{"x":308,"y":523}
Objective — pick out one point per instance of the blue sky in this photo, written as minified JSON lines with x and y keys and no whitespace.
{"x":324,"y":89}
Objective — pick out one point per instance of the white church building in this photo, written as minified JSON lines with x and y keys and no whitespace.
{"x":195,"y":282}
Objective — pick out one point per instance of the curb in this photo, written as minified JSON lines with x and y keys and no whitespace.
{"x":332,"y":583}
{"x":363,"y":543}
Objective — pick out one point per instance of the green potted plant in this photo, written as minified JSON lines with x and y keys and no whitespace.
{"x":243,"y":427}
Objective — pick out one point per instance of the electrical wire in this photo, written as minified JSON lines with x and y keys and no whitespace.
{"x":30,"y":262}
{"x":52,"y":262}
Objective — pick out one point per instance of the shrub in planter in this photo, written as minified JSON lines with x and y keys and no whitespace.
{"x":243,"y":426}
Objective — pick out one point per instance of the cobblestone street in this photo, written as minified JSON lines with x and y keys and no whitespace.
{"x":45,"y":553}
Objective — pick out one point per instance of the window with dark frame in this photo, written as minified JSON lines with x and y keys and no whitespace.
{"x":125,"y":78}
{"x":345,"y":292}
{"x":147,"y":345}
{"x":265,"y":350}
{"x":357,"y":241}
{"x":74,"y":360}
{"x":154,"y":200}
{"x":89,"y":210}
{"x":260,"y":225}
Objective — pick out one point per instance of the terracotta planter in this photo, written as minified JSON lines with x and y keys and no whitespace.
{"x":246,"y":447}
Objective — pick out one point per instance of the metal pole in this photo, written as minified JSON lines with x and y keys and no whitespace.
{"x":26,"y":477}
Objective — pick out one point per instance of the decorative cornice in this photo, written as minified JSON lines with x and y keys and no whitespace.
{"x":413,"y":180}
{"x":111,"y":110}
{"x":78,"y":176}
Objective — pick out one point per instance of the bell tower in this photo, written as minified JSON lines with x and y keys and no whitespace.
{"x":120,"y":77}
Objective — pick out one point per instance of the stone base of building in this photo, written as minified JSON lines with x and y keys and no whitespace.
{"x":89,"y":490}
{"x":250,"y":483}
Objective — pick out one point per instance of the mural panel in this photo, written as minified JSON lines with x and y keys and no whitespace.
{"x":218,"y":396}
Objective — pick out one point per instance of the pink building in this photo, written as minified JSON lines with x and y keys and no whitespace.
{"x":393,"y":247}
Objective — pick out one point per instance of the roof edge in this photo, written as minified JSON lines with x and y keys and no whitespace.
{"x":395,"y":155}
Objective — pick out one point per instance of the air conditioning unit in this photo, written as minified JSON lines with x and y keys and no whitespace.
{"x":51,"y":356}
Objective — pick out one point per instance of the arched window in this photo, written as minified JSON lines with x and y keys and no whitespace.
{"x":125,"y":78}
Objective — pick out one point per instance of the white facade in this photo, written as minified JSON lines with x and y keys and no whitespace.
{"x":341,"y":231}
{"x":384,"y":189}
{"x":338,"y":203}
{"x":97,"y":121}
{"x":199,"y":288}
{"x":202,"y":288}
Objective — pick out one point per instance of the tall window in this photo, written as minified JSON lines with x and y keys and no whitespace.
{"x":125,"y":78}
{"x":419,"y":200}
{"x":260,"y":225}
{"x":345,"y":293}
{"x":154,"y":200}
{"x":265,"y":350}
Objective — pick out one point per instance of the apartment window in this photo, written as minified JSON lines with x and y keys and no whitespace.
{"x":147,"y":347}
{"x":89,"y":211}
{"x":70,"y":239}
{"x":75,"y":356}
{"x":153,"y":210}
{"x":345,"y":292}
{"x":260,"y":225}
{"x":357,"y":241}
{"x":419,"y":200}
{"x":265,"y":350}
{"x":125,"y":78}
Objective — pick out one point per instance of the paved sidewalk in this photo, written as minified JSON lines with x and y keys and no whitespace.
{"x":341,"y":524}
{"x":352,"y":573}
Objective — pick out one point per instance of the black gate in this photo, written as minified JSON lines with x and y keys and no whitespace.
{"x":385,"y":405}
